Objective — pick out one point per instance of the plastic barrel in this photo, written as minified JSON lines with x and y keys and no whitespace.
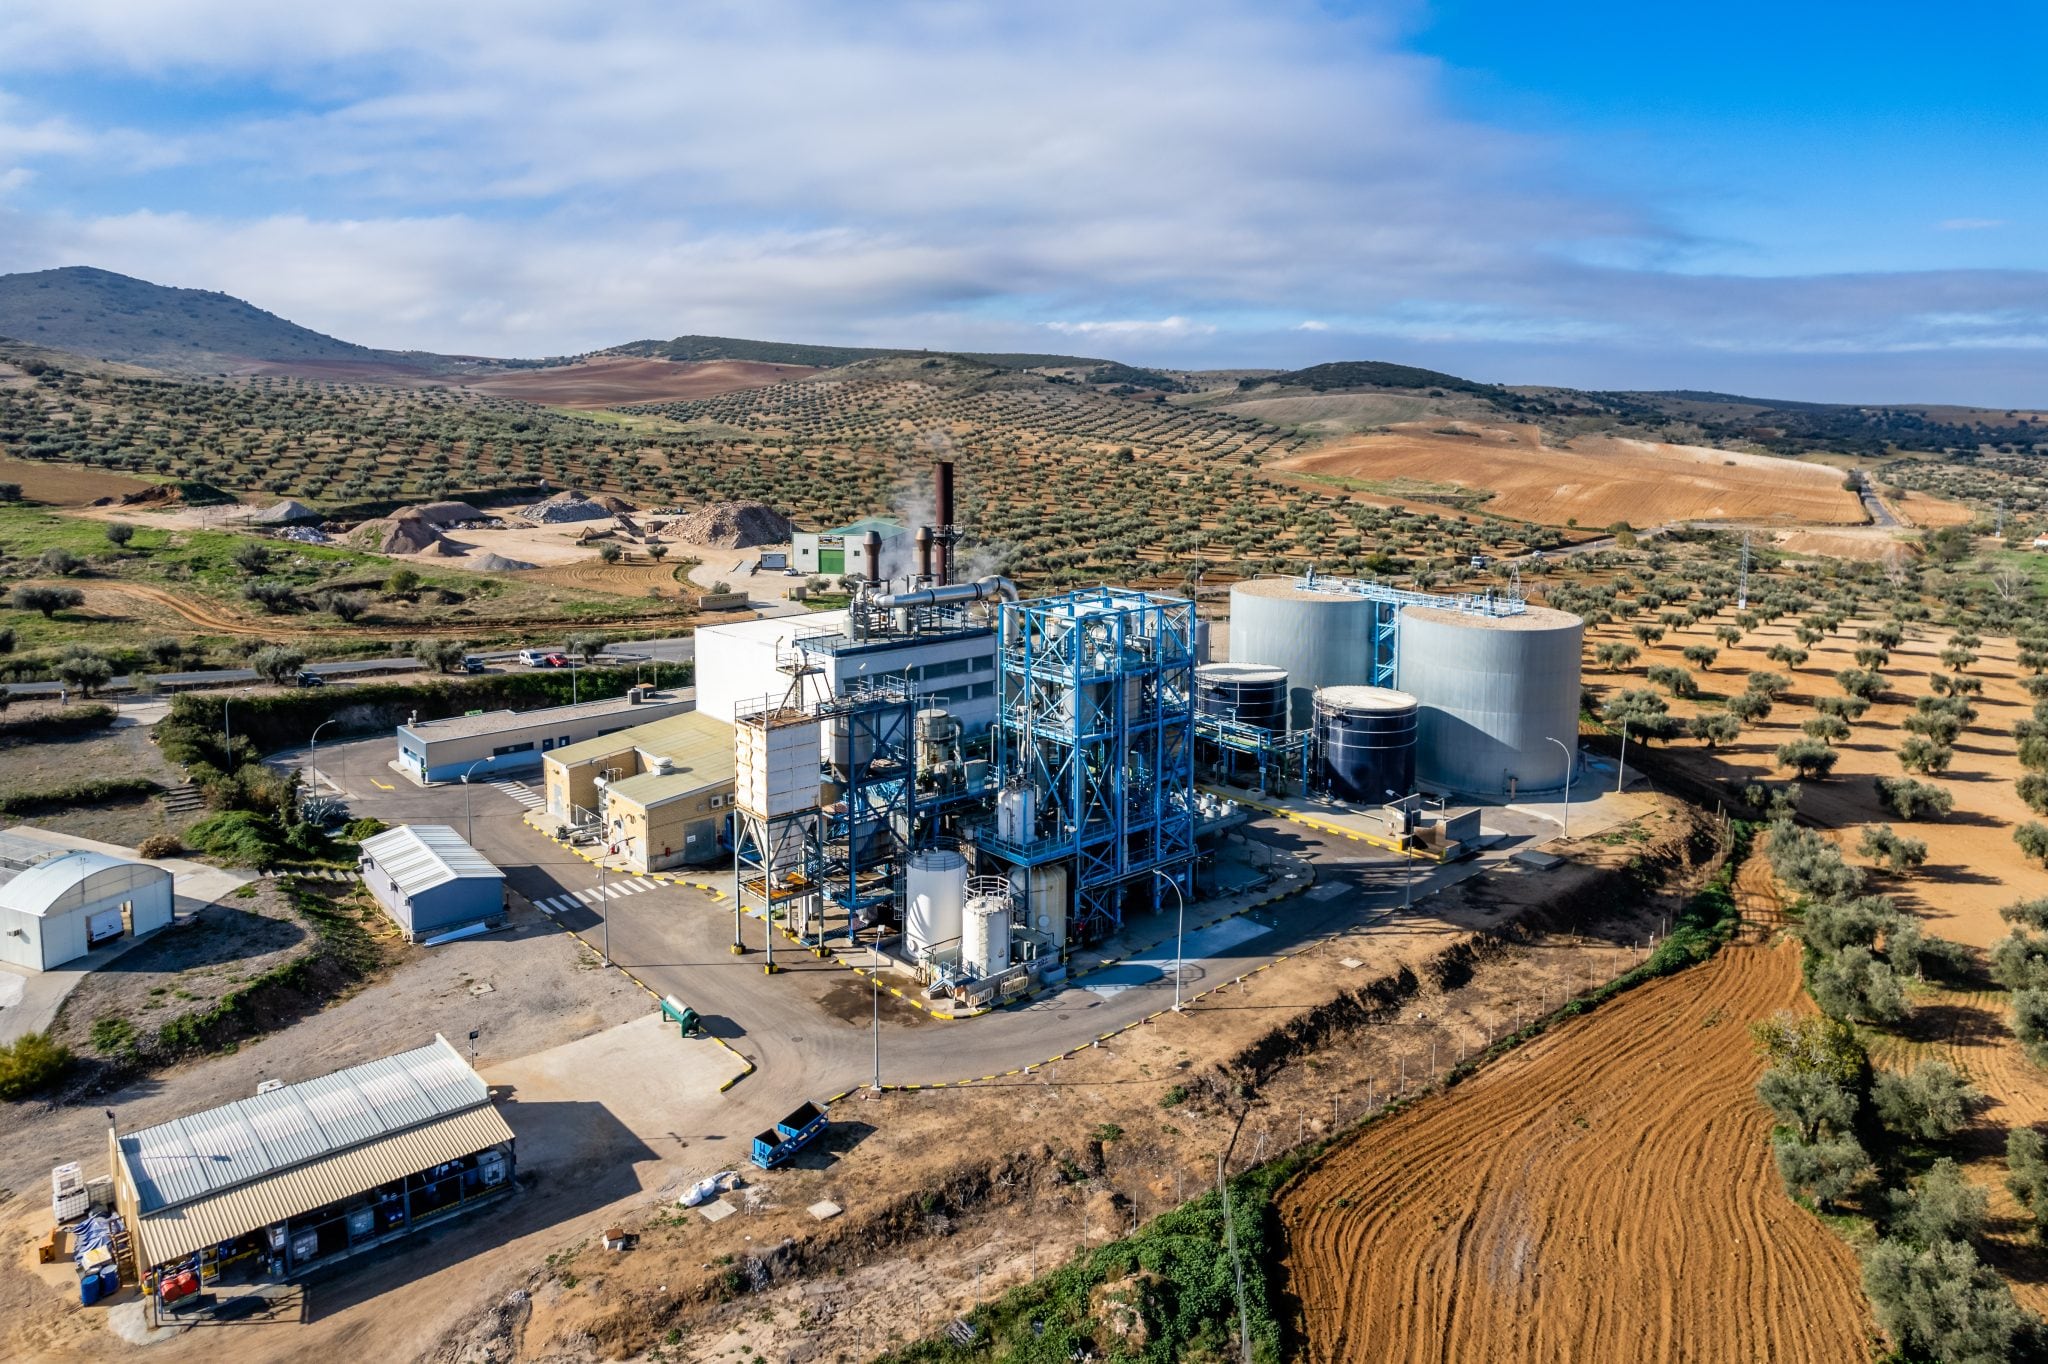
{"x":1365,"y":739}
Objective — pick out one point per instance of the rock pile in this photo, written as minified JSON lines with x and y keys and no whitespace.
{"x":567,"y":505}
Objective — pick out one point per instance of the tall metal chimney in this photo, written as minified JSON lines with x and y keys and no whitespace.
{"x":924,"y":551}
{"x":942,"y":495}
{"x":873,"y":545}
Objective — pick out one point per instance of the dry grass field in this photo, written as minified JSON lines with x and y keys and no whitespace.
{"x":65,"y":485}
{"x":1593,"y":481}
{"x":1604,"y":1194}
{"x":612,"y":381}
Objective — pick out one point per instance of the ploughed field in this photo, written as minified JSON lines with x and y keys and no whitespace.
{"x":1603,"y":1194}
{"x":1594,"y":481}
{"x":610,"y":381}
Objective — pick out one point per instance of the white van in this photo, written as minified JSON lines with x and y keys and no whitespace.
{"x":531,"y":658}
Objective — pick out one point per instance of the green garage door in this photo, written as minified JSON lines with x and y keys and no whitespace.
{"x":832,"y":560}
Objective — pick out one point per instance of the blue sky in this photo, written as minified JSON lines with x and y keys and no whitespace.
{"x":1815,"y":201}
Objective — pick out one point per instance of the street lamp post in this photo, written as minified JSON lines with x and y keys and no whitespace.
{"x":875,"y":992}
{"x":1568,"y":766}
{"x":468,"y":814}
{"x":1179,"y":929}
{"x":604,"y":901}
{"x":316,"y":753}
{"x":1621,"y":766}
{"x":227,"y":730}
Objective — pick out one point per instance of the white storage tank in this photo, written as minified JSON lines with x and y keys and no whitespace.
{"x":1493,"y":692}
{"x":985,"y":936}
{"x":1319,"y":639}
{"x":1016,"y":814}
{"x":934,"y":893}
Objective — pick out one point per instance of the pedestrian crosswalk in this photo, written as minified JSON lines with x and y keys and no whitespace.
{"x":591,"y":895}
{"x":521,"y":792}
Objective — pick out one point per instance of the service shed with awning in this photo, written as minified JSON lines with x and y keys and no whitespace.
{"x":308,"y":1173}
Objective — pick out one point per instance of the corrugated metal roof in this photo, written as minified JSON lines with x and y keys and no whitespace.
{"x":173,"y":1232}
{"x":881,"y":525}
{"x":421,"y":856}
{"x":207,"y":1153}
{"x":693,"y":739}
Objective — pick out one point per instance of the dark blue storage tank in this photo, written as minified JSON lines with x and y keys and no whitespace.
{"x":1249,"y":693}
{"x":1365,"y":743}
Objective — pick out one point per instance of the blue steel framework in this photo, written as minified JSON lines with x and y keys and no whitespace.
{"x":1096,"y":715}
{"x":1281,"y":759}
{"x":873,"y":825}
{"x":1387,"y":603}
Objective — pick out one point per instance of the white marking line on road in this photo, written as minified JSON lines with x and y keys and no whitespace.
{"x":520,"y":792}
{"x":1156,"y":963}
{"x":587,"y":896}
{"x":557,"y":904}
{"x":642,"y":883}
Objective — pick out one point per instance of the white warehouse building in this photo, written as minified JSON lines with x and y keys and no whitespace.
{"x":57,"y":909}
{"x":741,"y":663}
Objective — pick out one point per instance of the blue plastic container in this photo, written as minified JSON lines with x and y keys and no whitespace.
{"x":110,"y":1281}
{"x":89,"y":1289}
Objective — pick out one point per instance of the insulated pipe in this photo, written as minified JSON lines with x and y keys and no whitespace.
{"x":873,"y":545}
{"x":924,"y":552}
{"x":943,"y":595}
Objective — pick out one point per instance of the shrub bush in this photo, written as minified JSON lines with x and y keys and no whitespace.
{"x":30,"y":1064}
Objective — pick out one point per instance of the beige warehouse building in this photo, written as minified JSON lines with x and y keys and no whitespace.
{"x":661,"y":793}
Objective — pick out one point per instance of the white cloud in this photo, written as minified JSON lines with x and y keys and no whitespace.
{"x":1311,"y":325}
{"x":1136,"y":329}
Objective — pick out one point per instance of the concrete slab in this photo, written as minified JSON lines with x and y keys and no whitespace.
{"x":718,"y":1211}
{"x":652,"y":1082}
{"x":1155,"y":964}
{"x":825,"y":1211}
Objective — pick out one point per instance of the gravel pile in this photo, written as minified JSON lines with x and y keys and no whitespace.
{"x":564,"y":507}
{"x":498,"y":563}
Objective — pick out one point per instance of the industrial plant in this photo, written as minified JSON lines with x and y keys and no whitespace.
{"x":970,"y":784}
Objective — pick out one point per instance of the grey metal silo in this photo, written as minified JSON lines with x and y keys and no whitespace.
{"x":1494,"y":691}
{"x":1319,"y":638}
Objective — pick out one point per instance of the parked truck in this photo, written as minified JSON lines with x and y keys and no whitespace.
{"x":791,"y":1135}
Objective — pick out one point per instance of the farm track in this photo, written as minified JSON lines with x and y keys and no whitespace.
{"x":1606,"y":1193}
{"x":205,"y":617}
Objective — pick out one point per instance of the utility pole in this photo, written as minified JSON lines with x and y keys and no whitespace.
{"x":1742,"y":590}
{"x":875,"y":989}
{"x":1621,"y":767}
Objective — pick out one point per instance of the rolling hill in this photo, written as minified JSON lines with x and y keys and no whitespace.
{"x":105,"y":316}
{"x":820,"y":357}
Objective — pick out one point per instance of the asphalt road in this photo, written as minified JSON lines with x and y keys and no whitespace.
{"x":809,"y":1027}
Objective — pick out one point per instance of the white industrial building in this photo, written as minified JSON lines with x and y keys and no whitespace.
{"x":57,"y":905}
{"x":741,"y":663}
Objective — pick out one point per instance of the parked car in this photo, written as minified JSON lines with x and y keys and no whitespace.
{"x":472,"y":664}
{"x":531,"y":658}
{"x":554,"y":660}
{"x":306,"y":679}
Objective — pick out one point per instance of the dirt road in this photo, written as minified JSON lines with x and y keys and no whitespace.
{"x":1605,"y":1194}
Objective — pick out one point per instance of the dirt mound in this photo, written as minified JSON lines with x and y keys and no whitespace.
{"x":732,"y":525}
{"x":396,"y":535}
{"x":613,"y":503}
{"x":497,"y":563}
{"x":283,"y":514}
{"x":1606,"y":1193}
{"x":443,"y":513}
{"x":567,"y":505}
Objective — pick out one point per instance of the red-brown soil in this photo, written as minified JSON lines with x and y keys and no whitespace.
{"x":1605,"y":1194}
{"x":1595,"y":480}
{"x":65,"y":485}
{"x":619,"y":381}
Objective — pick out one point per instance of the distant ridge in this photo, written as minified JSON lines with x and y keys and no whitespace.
{"x":106,"y":316}
{"x":822,"y":357}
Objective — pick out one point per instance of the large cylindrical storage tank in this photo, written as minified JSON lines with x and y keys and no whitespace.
{"x":1319,"y":639}
{"x":1494,"y":691}
{"x":1365,"y":743}
{"x":1249,"y":693}
{"x":934,"y":892}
